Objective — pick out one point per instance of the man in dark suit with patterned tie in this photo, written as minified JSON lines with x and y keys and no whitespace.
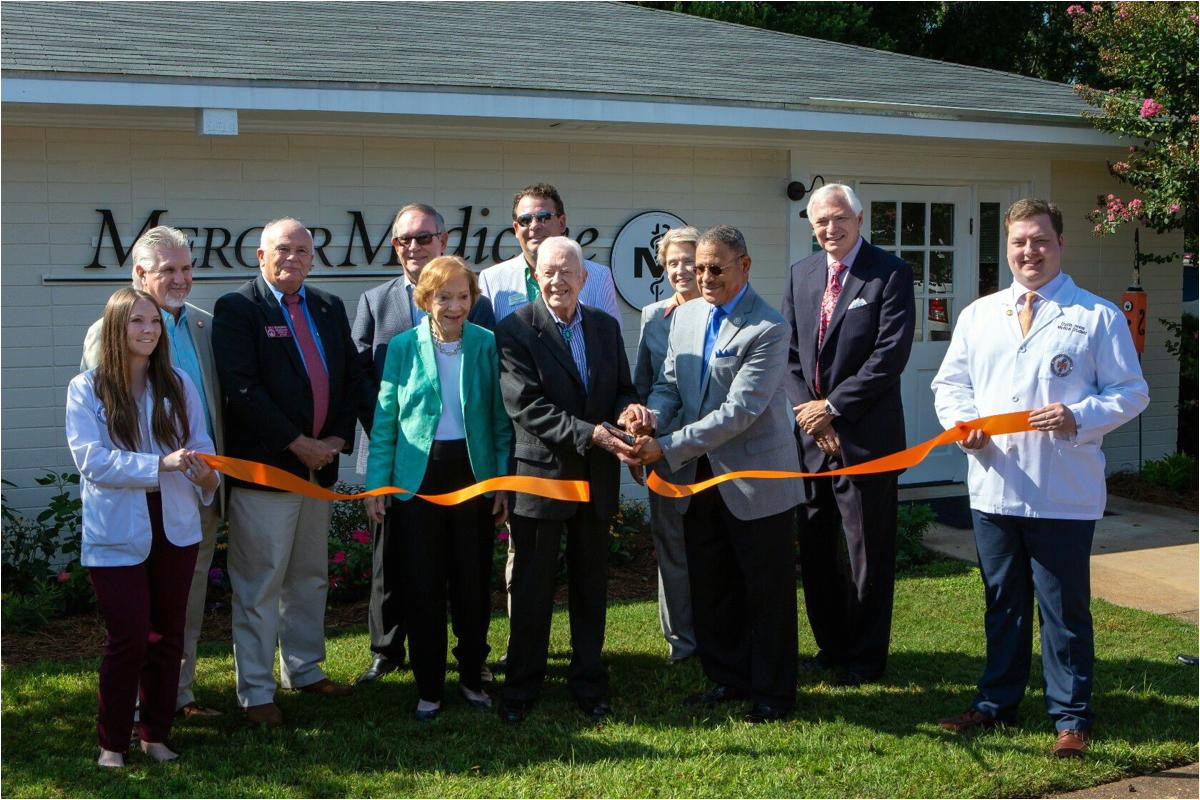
{"x":290,"y":376}
{"x":850,"y":309}
{"x":418,"y":237}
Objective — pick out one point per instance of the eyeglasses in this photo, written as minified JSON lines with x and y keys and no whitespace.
{"x":525,"y":220}
{"x":715,"y":271}
{"x":420,"y":238}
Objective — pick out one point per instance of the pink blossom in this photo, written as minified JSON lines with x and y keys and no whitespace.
{"x":1096,"y":8}
{"x":361,"y":536}
{"x":333,"y":582}
{"x":154,"y":637}
{"x":1097,"y":229}
{"x":502,"y":536}
{"x":63,"y":576}
{"x":339,"y":557}
{"x":1135,"y":206}
{"x":1150,"y":109}
{"x":1123,"y":13}
{"x":1076,"y":11}
{"x":1111,"y":197}
{"x":1176,"y":208}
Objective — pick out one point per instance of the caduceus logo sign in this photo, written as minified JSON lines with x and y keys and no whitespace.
{"x":640,"y":279}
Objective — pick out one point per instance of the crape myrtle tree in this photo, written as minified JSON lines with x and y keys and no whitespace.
{"x":1147,"y":62}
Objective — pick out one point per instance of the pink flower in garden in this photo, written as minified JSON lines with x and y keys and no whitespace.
{"x":154,"y":637}
{"x":1135,"y":206}
{"x":1096,"y":229}
{"x":361,"y":536}
{"x":339,"y":557}
{"x":1123,"y":13}
{"x":1150,"y":109}
{"x":1075,"y":11}
{"x":333,"y":582}
{"x":502,"y":536}
{"x":1176,"y":208}
{"x":63,"y":576}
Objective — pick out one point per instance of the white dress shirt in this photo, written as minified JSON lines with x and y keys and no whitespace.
{"x":504,"y":285}
{"x":113,"y":481}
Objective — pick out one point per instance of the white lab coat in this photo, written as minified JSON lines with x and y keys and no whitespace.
{"x":113,"y":481}
{"x":1079,"y":353}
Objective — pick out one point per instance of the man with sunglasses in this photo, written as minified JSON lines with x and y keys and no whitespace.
{"x":418,"y":236}
{"x":721,"y":394}
{"x":538,"y":214}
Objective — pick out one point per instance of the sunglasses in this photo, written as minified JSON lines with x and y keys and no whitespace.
{"x":714,"y":270}
{"x":420,"y":238}
{"x":525,"y":220}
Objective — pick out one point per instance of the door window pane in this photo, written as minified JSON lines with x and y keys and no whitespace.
{"x":883,"y":224}
{"x":939,"y":319}
{"x":941,"y":224}
{"x":916,"y":260}
{"x":991,"y":248}
{"x":912,"y":223}
{"x":941,"y":272}
{"x":917,"y":329}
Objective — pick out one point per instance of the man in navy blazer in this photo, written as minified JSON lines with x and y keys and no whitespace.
{"x":291,"y":376}
{"x":850,"y":309}
{"x":418,"y":237}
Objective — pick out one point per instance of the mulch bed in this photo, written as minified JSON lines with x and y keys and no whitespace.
{"x":1133,"y":486}
{"x":82,"y":636}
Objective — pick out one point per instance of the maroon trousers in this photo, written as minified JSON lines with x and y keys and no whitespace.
{"x":143,"y":608}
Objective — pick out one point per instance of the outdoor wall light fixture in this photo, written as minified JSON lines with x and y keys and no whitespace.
{"x":796,"y":191}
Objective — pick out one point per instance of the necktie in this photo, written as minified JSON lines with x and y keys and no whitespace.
{"x":833,"y":290}
{"x":318,"y":379}
{"x":1025,"y":317}
{"x":710,"y":336}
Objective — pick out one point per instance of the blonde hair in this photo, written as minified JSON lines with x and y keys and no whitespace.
{"x":437,"y":273}
{"x":687,"y":235}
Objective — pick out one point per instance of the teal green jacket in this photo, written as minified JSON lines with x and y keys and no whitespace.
{"x":410,"y":405}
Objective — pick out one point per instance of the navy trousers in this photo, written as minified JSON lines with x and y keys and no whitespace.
{"x":1020,"y":558}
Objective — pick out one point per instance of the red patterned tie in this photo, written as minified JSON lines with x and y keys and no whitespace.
{"x":318,"y":378}
{"x":832,"y":291}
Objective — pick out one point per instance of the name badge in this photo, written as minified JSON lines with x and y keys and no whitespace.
{"x":278,"y":332}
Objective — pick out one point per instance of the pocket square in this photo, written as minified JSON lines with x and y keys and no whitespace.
{"x":724,"y":353}
{"x":858,"y":303}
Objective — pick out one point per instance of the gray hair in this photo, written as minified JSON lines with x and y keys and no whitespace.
{"x":726,"y":235}
{"x":686,"y":235}
{"x":424,"y":208}
{"x":846,"y":192}
{"x":262,"y":240}
{"x":145,"y":249}
{"x":562,"y":243}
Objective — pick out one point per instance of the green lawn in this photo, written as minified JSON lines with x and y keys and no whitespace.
{"x":877,"y":741}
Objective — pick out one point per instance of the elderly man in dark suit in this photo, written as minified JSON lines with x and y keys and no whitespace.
{"x":850,"y":309}
{"x":291,"y":378}
{"x":418,"y":237}
{"x":563,"y":373}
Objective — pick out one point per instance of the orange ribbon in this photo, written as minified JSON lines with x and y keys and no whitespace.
{"x":577,"y":491}
{"x":275,"y":478}
{"x":1015,"y":422}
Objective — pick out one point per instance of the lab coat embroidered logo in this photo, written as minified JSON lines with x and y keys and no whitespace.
{"x":1061,"y":365}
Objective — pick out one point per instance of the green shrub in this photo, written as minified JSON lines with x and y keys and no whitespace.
{"x":912,"y":522}
{"x":627,"y":524}
{"x":349,"y":546}
{"x":1176,"y":472}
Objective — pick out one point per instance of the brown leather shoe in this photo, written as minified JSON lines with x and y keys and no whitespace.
{"x":194,"y":709}
{"x":1071,"y":744}
{"x":267,"y":714}
{"x":971,"y":718}
{"x":327,"y":688}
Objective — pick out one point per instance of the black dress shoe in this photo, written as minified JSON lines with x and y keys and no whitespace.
{"x":513,"y":711}
{"x":850,"y":678}
{"x":380,"y":666}
{"x":765,"y":712}
{"x":715,"y":695}
{"x":818,"y":663}
{"x":596,"y":709}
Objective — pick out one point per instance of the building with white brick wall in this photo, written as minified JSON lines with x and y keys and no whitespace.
{"x":218,"y":117}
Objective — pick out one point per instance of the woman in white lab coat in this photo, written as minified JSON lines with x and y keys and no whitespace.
{"x":134,"y":426}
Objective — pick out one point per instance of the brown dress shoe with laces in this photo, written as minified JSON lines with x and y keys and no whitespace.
{"x":327,"y":688}
{"x":971,"y":718}
{"x":267,"y":714}
{"x":1071,"y":744}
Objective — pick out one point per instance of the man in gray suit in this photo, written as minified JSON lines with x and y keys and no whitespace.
{"x":721,"y":394}
{"x":418,"y":236}
{"x":162,"y":267}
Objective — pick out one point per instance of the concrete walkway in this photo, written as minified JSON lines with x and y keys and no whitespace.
{"x":1143,"y":556}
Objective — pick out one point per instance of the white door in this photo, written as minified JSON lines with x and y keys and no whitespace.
{"x":931,"y":228}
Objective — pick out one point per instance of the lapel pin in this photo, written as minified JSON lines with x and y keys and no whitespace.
{"x":199,"y":323}
{"x":1008,"y":311}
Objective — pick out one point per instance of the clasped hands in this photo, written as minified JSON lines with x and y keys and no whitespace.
{"x":316,"y":453}
{"x":639,"y":421}
{"x":814,"y":420}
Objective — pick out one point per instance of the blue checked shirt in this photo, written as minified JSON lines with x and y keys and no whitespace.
{"x":573,"y":335}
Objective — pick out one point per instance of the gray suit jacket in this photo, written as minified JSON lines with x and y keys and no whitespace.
{"x":736,"y":413}
{"x":200,"y":327}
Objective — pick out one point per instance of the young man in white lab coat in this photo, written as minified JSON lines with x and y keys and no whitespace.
{"x":1046,"y":345}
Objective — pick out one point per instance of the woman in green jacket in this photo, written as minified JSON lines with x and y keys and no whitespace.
{"x":440,"y":425}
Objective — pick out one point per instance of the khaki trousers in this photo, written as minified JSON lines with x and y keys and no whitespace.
{"x":278,"y":566}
